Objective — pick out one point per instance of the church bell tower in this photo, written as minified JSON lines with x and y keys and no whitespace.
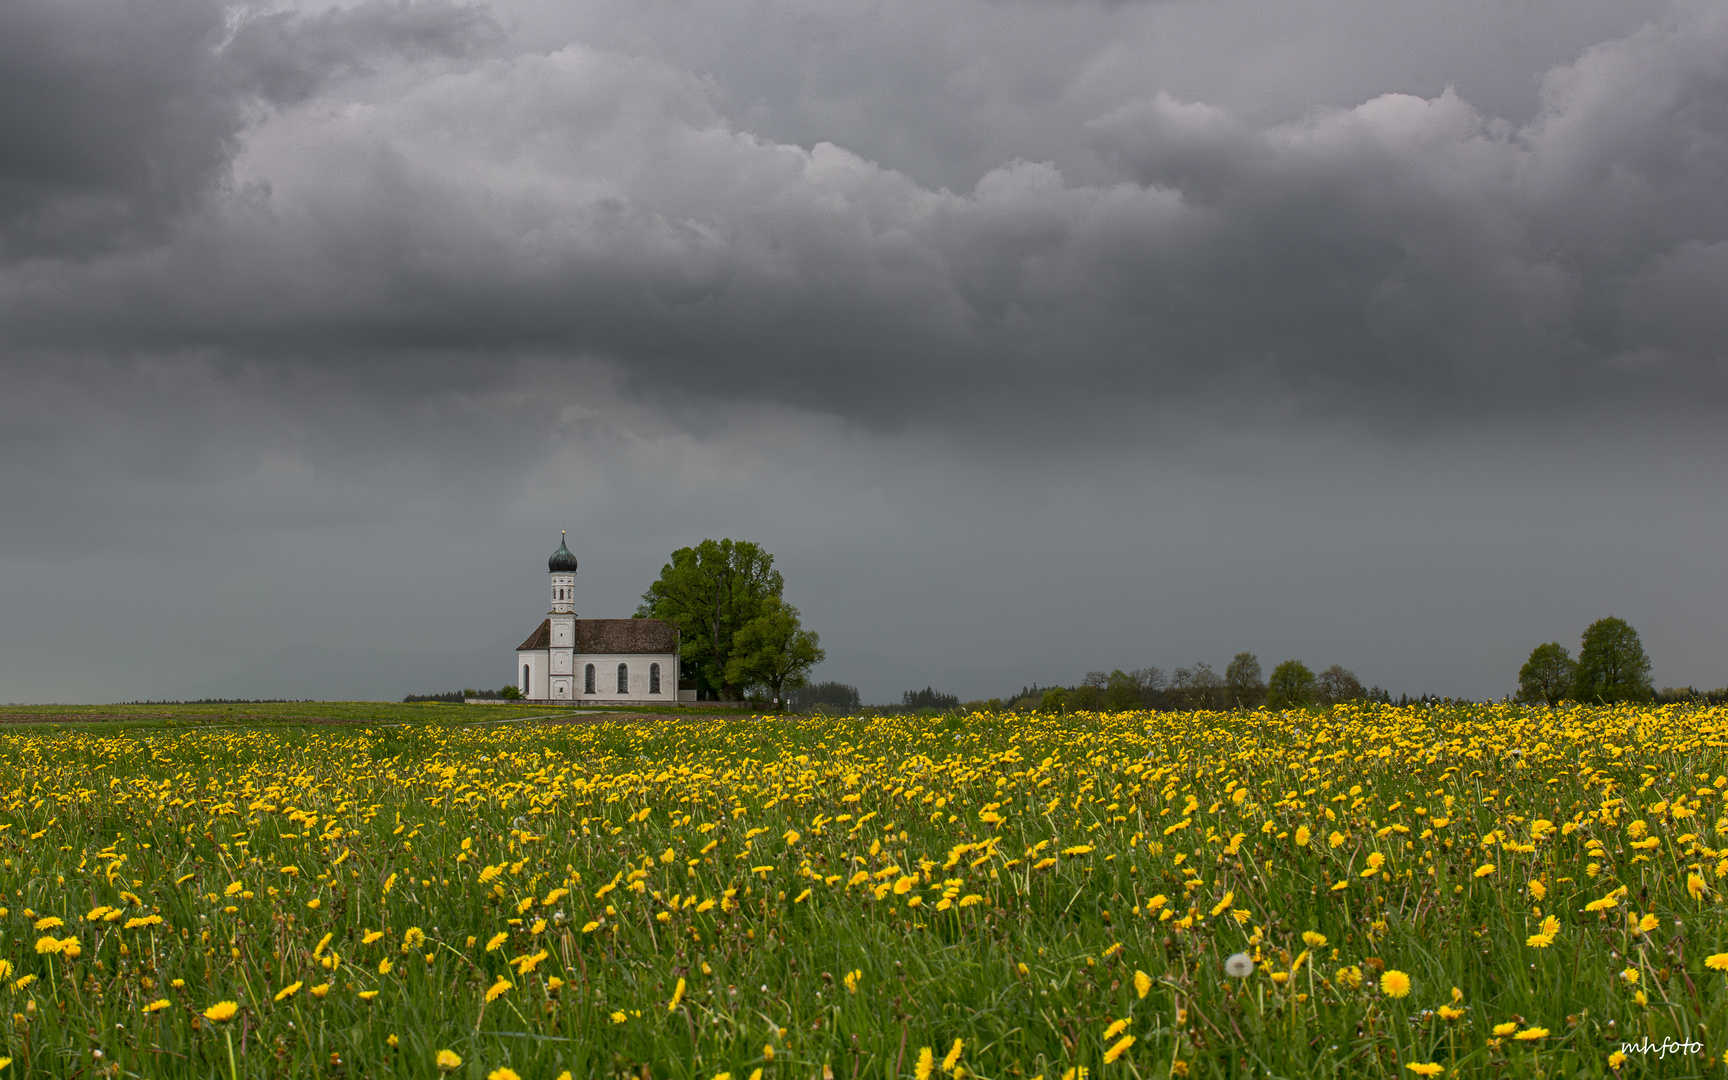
{"x":561,"y":568}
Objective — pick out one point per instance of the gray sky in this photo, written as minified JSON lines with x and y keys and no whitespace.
{"x":1032,"y":336}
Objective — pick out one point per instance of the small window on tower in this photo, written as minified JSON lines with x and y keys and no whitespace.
{"x":588,"y":679}
{"x":623,"y":678}
{"x":653,"y":678}
{"x":524,"y":680}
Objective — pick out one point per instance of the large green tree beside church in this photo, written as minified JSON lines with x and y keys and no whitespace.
{"x":774,"y":651}
{"x":712,"y":591}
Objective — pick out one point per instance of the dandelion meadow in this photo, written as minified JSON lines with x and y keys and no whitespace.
{"x":1366,"y":891}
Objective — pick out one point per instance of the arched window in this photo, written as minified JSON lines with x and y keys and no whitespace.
{"x":623,"y":678}
{"x":524,"y":680}
{"x":653,"y":678}
{"x":588,"y":679}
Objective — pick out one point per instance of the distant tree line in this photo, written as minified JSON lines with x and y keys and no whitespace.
{"x":929,"y":698}
{"x":1243,"y":685}
{"x":829,"y":696}
{"x":456,"y":697}
{"x":225,"y":701}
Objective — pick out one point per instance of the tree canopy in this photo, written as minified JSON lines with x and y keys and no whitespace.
{"x":1338,"y":683}
{"x":773,"y":650}
{"x":1244,"y":684}
{"x":712,"y":591}
{"x":1547,"y":677}
{"x":1291,"y":684}
{"x":1612,"y":664}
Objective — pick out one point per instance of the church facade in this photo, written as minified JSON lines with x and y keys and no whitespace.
{"x":570,"y":660}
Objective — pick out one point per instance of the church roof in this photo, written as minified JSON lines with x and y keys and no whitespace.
{"x":625,"y":636}
{"x":611,"y":636}
{"x":539,"y":639}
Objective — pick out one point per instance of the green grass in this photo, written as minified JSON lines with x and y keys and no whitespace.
{"x":674,"y":841}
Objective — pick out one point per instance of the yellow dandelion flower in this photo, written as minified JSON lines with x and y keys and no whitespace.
{"x":1717,"y":961}
{"x":1485,"y":869}
{"x":496,"y":941}
{"x":1531,"y":1034}
{"x":926,"y":1064}
{"x":222,"y":1011}
{"x":1142,"y":983}
{"x":1395,"y":984}
{"x":289,"y":991}
{"x":677,"y":996}
{"x":1120,"y":1048}
{"x":156,"y":1006}
{"x":448,"y":1061}
{"x":505,"y":1073}
{"x":1425,"y":1068}
{"x":1115,"y":1029}
{"x":1505,"y":1029}
{"x":498,"y":990}
{"x":953,"y":1057}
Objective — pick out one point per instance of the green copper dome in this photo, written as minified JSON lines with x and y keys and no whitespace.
{"x":561,"y":561}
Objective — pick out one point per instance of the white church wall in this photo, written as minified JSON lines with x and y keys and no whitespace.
{"x":606,"y":676}
{"x":538,"y":676}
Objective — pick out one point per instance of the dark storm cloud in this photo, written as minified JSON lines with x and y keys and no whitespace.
{"x":117,"y":117}
{"x":1407,"y":252}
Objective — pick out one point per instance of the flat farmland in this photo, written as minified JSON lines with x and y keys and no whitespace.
{"x":327,"y":889}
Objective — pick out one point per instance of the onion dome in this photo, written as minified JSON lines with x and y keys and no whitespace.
{"x":561,"y":561}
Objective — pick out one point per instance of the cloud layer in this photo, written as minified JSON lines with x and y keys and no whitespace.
{"x":355,"y":268}
{"x":1406,"y":252}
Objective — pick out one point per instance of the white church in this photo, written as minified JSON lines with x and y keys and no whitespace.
{"x":611,"y":661}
